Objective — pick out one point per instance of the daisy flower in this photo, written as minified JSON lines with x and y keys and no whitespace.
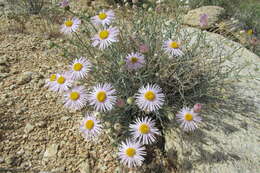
{"x":76,"y":98}
{"x":188,"y":119}
{"x":63,"y":82}
{"x":131,"y":153}
{"x":104,"y":17}
{"x":172,"y":48}
{"x":90,"y":126}
{"x":150,"y":98}
{"x":50,"y":82}
{"x":144,"y":130}
{"x":105,"y":37}
{"x":70,"y":25}
{"x":134,"y":61}
{"x":79,"y":68}
{"x":102,"y":97}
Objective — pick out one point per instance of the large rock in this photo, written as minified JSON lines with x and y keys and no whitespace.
{"x":227,"y":141}
{"x":50,"y":152}
{"x":193,"y":17}
{"x":84,"y":167}
{"x":25,"y":78}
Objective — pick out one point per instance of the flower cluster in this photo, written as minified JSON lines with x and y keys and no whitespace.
{"x":104,"y":97}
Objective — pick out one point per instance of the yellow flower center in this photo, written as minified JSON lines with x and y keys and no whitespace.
{"x":174,"y":45}
{"x":130,"y":152}
{"x":134,"y":60}
{"x":149,"y":95}
{"x":188,"y":117}
{"x":68,"y":23}
{"x":102,"y":16}
{"x":144,"y":129}
{"x":74,"y":95}
{"x":53,"y":77}
{"x":89,"y":124}
{"x":77,"y":67}
{"x":103,"y":34}
{"x":61,"y":80}
{"x":101,"y":96}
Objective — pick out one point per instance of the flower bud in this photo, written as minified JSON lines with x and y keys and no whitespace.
{"x":121,"y":62}
{"x":117,"y":126}
{"x":120,"y":103}
{"x":130,"y":100}
{"x":135,"y":7}
{"x":143,"y":48}
{"x":203,"y":20}
{"x":150,"y":9}
{"x":145,"y":6}
{"x":197,"y":107}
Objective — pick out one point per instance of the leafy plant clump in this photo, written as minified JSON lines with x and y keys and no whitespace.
{"x":134,"y":71}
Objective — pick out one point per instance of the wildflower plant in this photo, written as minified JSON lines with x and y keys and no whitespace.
{"x":136,"y":70}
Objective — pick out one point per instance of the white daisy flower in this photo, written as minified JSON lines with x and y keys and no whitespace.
{"x":70,"y":25}
{"x":144,"y":130}
{"x":105,"y":37}
{"x":173,"y":48}
{"x":76,"y":98}
{"x":79,"y":68}
{"x":104,"y":17}
{"x":134,"y":61}
{"x":131,"y":153}
{"x":63,"y":82}
{"x":90,"y":127}
{"x":102,"y":97}
{"x":188,"y":119}
{"x":150,"y":98}
{"x":50,"y":82}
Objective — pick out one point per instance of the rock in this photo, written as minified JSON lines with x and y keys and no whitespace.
{"x":221,"y":144}
{"x":41,"y":124}
{"x":12,"y":87}
{"x":4,"y":69}
{"x":26,"y":165}
{"x":25,"y":78}
{"x":65,"y":118}
{"x":2,"y":159}
{"x":13,"y":160}
{"x":85,"y":167}
{"x":28,"y":128}
{"x":3,"y":75}
{"x":3,"y":61}
{"x":58,"y":170}
{"x":51,"y":152}
{"x":193,"y":17}
{"x":41,"y":83}
{"x":20,"y":152}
